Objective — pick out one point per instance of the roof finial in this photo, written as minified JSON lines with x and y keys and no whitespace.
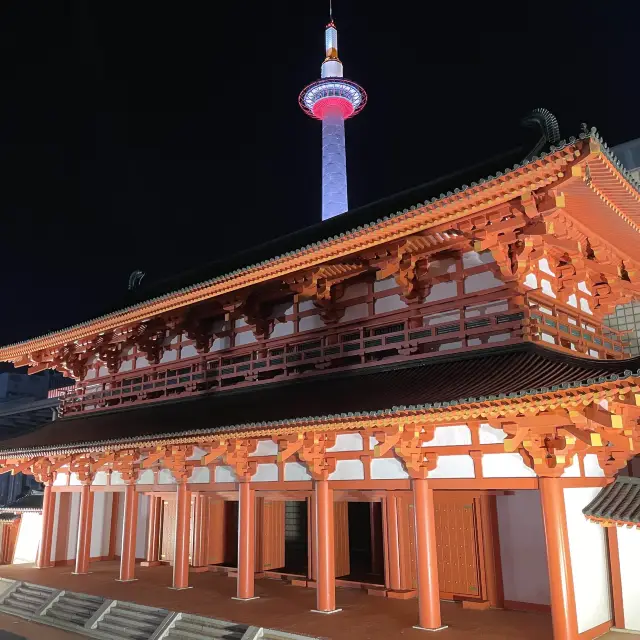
{"x":330,"y":11}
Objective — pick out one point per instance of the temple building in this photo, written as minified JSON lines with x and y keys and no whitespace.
{"x":419,"y":398}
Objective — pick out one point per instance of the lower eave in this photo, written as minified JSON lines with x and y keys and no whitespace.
{"x":617,"y":504}
{"x":447,"y":389}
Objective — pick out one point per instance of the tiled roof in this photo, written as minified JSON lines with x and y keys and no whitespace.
{"x":617,"y":503}
{"x":479,"y":376}
{"x":457,"y":186}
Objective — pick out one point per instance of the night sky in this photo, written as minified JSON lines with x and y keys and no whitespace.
{"x":157,"y":136}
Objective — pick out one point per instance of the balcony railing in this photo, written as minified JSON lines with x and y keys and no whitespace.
{"x":400,"y":336}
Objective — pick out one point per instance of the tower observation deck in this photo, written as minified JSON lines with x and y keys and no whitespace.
{"x":333,"y":99}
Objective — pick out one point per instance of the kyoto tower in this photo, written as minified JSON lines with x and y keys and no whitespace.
{"x":333,"y":99}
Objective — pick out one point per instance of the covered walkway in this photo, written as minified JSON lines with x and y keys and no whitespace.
{"x":286,"y":607}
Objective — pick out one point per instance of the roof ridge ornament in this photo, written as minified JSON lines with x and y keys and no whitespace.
{"x":549,"y":128}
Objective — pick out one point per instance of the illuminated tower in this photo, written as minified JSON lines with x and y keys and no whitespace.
{"x":333,"y":99}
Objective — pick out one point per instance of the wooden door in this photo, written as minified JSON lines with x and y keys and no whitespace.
{"x":341,"y":538}
{"x":270,"y":543}
{"x":457,"y":540}
{"x":216,"y":532}
{"x":167,"y":547}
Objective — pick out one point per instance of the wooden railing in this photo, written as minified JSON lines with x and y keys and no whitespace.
{"x":397,"y":337}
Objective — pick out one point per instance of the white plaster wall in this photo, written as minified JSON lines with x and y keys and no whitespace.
{"x":387,"y":469}
{"x":311,"y":322}
{"x":127,"y":365}
{"x":523,"y":551}
{"x":146,"y":477}
{"x":220,"y":343}
{"x":348,"y":470}
{"x":629,"y":549}
{"x":505,"y":465}
{"x":225,"y":474}
{"x":355,"y":312}
{"x":166,"y":477}
{"x":56,"y":518}
{"x":188,"y":352}
{"x":453,"y":467}
{"x":100,"y":479}
{"x":142,"y":524}
{"x":74,"y":480}
{"x":589,"y":564}
{"x":347,"y":442}
{"x":99,"y":523}
{"x":61,"y":480}
{"x":199,"y":474}
{"x":119,"y":524}
{"x":389,"y":303}
{"x":306,"y":305}
{"x":116,"y":478}
{"x":448,"y":436}
{"x":383,"y":285}
{"x":440,"y":267}
{"x":475,"y":259}
{"x":267,"y":472}
{"x":295,"y":471}
{"x":592,"y":468}
{"x":489,"y":435}
{"x":28,"y":540}
{"x":246,"y":337}
{"x":74,"y":513}
{"x":141,"y":363}
{"x":265,"y":448}
{"x":282,"y":329}
{"x":169,"y":356}
{"x":442,"y":291}
{"x":481,"y":281}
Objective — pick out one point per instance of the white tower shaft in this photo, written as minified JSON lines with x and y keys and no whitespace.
{"x":334,"y":166}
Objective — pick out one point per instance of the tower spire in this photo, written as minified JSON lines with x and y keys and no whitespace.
{"x":333,"y":99}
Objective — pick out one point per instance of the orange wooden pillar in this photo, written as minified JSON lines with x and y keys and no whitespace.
{"x":153,"y":532}
{"x":48,"y":508}
{"x":129,"y":530}
{"x":246,"y":541}
{"x":491,"y":551}
{"x":392,"y":550}
{"x":84,"y":530}
{"x":181,"y":556}
{"x":563,"y":602}
{"x":426,"y":557}
{"x":325,"y":549}
{"x":616,"y":578}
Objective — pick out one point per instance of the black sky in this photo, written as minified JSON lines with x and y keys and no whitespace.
{"x":157,"y":136}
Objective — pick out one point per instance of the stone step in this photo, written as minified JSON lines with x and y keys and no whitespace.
{"x":85,"y":598}
{"x":72,"y":609}
{"x":45,"y":592}
{"x":118,"y":631}
{"x":65,"y":616}
{"x":18,"y":608}
{"x":209,"y":634}
{"x":141,"y":615}
{"x":79,"y":606}
{"x":200,"y":625}
{"x":126,"y":622}
{"x":29,"y":597}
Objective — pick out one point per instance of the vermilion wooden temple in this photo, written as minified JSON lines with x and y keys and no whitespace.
{"x":422,"y":401}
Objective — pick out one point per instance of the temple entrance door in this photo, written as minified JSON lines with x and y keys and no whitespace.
{"x":230,"y":534}
{"x":296,"y":540}
{"x":366,"y":556}
{"x":341,"y":538}
{"x":270,"y":536}
{"x":168,"y":543}
{"x":457,"y":540}
{"x":216,"y":532}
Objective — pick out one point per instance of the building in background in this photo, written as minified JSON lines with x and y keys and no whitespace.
{"x":627,"y":317}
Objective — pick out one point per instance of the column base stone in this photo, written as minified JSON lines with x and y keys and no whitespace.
{"x":326,"y":613}
{"x":245,"y":599}
{"x":444,"y":626}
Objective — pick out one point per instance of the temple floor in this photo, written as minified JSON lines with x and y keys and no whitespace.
{"x":282,"y":606}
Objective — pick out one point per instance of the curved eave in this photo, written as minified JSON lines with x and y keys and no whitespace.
{"x":527,"y":402}
{"x":447,"y":208}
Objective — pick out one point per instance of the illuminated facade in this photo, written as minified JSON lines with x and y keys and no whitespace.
{"x":333,"y":99}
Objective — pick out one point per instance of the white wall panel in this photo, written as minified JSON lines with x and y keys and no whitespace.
{"x":505,"y":465}
{"x":588,"y":550}
{"x":295,"y":471}
{"x":523,"y":551}
{"x":629,"y":550}
{"x":387,"y":469}
{"x":348,"y":470}
{"x":453,"y":467}
{"x":347,"y":442}
{"x":449,"y":436}
{"x":267,"y":472}
{"x":28,"y":541}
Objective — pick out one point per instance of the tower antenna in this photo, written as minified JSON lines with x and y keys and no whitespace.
{"x":331,"y":9}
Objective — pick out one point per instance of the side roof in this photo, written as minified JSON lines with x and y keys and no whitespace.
{"x":420,"y":208}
